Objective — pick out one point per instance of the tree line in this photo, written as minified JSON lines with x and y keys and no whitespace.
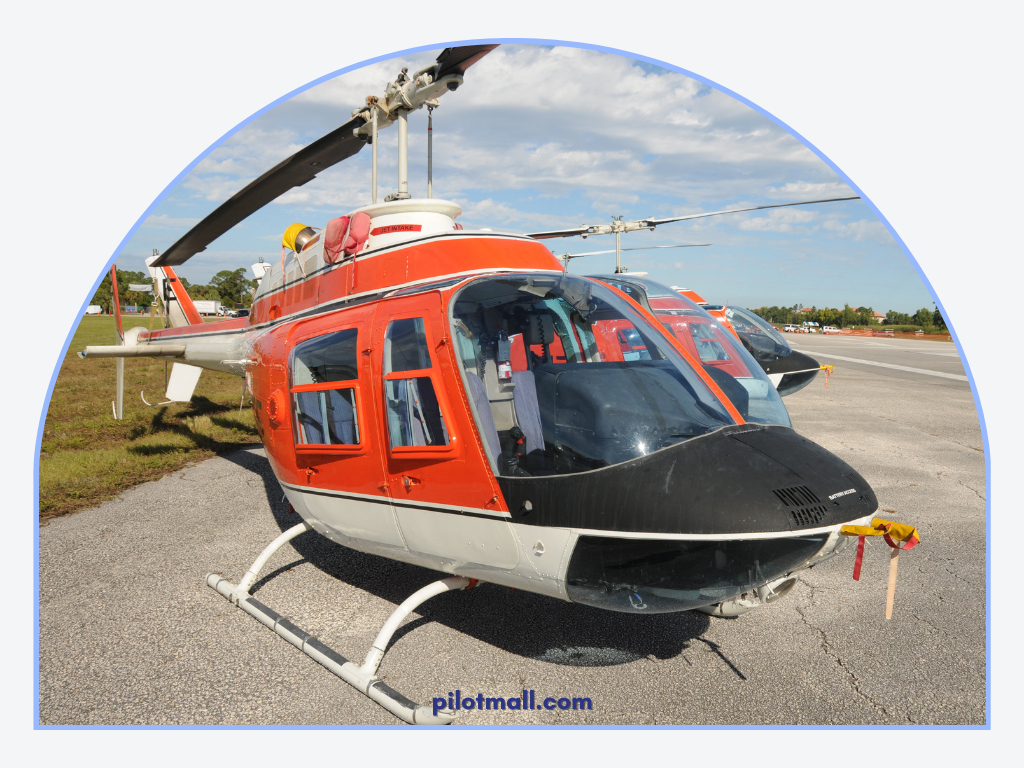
{"x":230,"y":287}
{"x":848,"y":317}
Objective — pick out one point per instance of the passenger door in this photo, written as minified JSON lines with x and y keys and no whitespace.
{"x":444,"y":498}
{"x":334,"y":428}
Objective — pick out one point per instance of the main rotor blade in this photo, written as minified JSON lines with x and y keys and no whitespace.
{"x":643,"y":248}
{"x":588,"y":230}
{"x":455,"y":61}
{"x":299,"y":169}
{"x":656,"y":222}
{"x":560,"y":233}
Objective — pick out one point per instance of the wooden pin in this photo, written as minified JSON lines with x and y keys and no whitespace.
{"x":894,"y":562}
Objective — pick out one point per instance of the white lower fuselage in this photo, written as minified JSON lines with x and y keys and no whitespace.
{"x":478,"y":543}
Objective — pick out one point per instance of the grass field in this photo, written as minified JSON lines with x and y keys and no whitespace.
{"x":86,"y":457}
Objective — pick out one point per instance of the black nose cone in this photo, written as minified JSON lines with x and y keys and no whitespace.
{"x":739,"y":479}
{"x":797,"y":369}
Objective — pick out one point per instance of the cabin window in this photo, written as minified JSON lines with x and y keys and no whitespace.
{"x":414,"y":414}
{"x":335,"y":408}
{"x":324,"y":389}
{"x":565,"y":376}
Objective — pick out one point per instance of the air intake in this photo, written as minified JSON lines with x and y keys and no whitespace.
{"x":804,"y":506}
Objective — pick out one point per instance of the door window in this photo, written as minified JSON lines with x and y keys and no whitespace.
{"x":414,"y":415}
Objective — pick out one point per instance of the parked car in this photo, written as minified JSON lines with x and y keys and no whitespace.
{"x":791,"y":329}
{"x":829,"y":329}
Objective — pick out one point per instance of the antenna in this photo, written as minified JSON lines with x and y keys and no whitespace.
{"x":373,"y":142}
{"x":430,"y":150}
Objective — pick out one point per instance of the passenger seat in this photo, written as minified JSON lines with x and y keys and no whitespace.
{"x":485,"y":419}
{"x":528,"y":415}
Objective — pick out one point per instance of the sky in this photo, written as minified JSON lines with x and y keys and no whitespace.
{"x":544,"y":138}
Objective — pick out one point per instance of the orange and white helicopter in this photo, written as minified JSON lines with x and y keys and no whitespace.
{"x":454,"y":399}
{"x":710,"y":331}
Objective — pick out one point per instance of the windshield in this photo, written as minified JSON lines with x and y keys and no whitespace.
{"x":757,"y":334}
{"x":731,"y":365}
{"x":564,"y":376}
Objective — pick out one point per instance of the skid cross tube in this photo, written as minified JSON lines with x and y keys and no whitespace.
{"x":363,"y":678}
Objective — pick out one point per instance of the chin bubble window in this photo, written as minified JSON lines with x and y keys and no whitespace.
{"x":324,"y":384}
{"x":414,"y":415}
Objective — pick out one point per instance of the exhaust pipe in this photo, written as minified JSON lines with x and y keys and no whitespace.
{"x":769,"y":593}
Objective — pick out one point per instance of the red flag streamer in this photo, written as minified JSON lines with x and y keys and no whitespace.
{"x":860,"y":558}
{"x":894,"y":534}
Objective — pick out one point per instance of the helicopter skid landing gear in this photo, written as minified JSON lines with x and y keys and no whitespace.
{"x":363,"y":678}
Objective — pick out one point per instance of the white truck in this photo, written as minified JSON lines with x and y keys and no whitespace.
{"x":208,"y":308}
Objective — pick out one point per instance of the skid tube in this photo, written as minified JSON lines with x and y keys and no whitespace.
{"x":362,"y":678}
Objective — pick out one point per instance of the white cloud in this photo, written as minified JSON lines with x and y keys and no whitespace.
{"x":487,"y":212}
{"x":164,"y":221}
{"x":542,"y":138}
{"x":555,"y":120}
{"x":804,"y":190}
{"x":858,"y":231}
{"x":779,"y":220}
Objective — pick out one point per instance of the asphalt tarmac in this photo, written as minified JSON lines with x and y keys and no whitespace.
{"x":130,"y":634}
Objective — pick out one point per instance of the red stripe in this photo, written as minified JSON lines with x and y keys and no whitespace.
{"x":397,"y":228}
{"x":192,"y":316}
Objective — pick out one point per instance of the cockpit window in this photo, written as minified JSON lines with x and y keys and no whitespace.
{"x":734,"y":366}
{"x":564,"y":376}
{"x":757,"y":334}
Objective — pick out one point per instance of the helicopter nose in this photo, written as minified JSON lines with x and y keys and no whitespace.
{"x":797,"y":369}
{"x":817,"y":488}
{"x":795,"y":361}
{"x":737,"y":480}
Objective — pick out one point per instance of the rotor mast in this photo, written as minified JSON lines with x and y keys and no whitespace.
{"x":403,"y":157}
{"x":405,"y":94}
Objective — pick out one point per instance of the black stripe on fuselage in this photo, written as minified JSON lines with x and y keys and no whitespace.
{"x":405,"y":504}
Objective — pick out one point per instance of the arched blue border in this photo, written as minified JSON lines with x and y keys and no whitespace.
{"x":603,"y":49}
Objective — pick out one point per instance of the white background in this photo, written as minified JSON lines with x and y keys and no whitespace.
{"x":105,"y":104}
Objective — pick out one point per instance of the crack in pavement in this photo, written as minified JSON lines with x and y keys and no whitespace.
{"x":826,"y":647}
{"x":965,"y":485}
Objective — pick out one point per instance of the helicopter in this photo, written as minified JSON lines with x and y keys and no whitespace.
{"x":711,"y":330}
{"x":453,"y":399}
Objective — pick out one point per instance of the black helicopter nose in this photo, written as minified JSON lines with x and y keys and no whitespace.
{"x":738,"y":479}
{"x":797,"y":369}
